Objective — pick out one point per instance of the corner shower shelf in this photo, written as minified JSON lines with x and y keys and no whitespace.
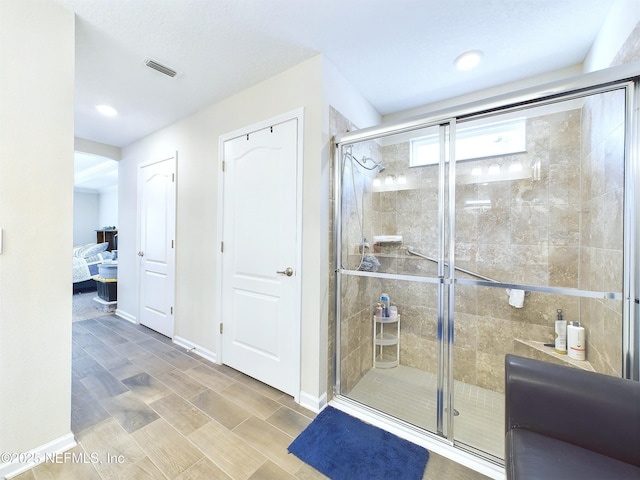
{"x":387,"y":239}
{"x":539,"y":351}
{"x":386,"y":342}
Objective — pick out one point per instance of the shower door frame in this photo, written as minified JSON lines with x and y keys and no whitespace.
{"x":625,"y":77}
{"x":444,"y":399}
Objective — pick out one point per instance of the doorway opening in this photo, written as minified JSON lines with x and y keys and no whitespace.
{"x":95,"y":234}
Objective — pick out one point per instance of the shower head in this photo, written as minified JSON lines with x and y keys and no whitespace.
{"x":363,"y":162}
{"x":378,"y":165}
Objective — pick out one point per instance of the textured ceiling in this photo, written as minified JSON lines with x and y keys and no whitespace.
{"x":398,"y":53}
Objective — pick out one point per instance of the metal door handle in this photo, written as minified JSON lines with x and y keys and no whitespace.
{"x":287,"y":271}
{"x":141,"y":253}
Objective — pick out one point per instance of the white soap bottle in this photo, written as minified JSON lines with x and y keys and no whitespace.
{"x":575,"y":341}
{"x":561,"y":334}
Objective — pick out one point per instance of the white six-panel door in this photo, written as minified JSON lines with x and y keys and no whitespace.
{"x":259,"y":273}
{"x":156,"y":247}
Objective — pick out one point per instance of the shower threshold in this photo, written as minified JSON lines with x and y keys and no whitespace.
{"x":409,"y":394}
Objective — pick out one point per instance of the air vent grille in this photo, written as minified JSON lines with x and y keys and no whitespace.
{"x":160,"y":68}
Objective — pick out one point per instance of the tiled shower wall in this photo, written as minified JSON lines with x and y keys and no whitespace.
{"x":601,"y":251}
{"x":529,"y":234}
{"x":356,"y":325}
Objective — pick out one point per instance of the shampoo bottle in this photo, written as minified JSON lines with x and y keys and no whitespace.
{"x":384,"y":299}
{"x":561,"y":334}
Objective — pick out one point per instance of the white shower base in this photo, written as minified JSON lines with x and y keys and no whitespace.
{"x":410,"y":394}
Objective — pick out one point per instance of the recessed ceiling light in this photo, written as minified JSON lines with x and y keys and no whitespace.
{"x":107,"y":110}
{"x":468,"y":60}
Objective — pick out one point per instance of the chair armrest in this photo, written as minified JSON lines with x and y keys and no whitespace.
{"x":591,"y":410}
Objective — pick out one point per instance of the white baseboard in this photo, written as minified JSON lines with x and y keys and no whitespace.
{"x":126,"y":316}
{"x":312,"y":402}
{"x":195,"y":348}
{"x":47,"y":452}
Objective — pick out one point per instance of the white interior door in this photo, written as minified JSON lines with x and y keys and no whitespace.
{"x":156,"y":220}
{"x":260,"y":276}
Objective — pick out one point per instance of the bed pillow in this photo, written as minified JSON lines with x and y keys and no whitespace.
{"x":91,"y":249}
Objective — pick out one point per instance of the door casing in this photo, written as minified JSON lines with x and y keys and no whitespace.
{"x":171,"y":233}
{"x":297,"y":114}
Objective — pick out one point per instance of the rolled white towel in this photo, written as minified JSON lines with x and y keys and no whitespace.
{"x":516,"y":298}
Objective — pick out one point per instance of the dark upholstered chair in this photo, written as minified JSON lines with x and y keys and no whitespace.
{"x":565,"y":423}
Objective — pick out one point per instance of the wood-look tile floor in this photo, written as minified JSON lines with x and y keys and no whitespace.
{"x":144,"y":408}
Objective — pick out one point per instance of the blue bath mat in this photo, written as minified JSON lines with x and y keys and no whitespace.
{"x":345,"y":448}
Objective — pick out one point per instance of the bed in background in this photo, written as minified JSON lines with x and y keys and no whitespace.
{"x":86,"y":259}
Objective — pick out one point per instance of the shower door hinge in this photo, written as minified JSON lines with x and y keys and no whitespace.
{"x":222,"y":247}
{"x":223,"y":165}
{"x":221,"y":328}
{"x":171,"y":310}
{"x":171,"y":243}
{"x":173,"y":177}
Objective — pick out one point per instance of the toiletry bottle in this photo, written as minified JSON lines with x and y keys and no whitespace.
{"x":561,"y":334}
{"x":575,"y":341}
{"x":384,"y":299}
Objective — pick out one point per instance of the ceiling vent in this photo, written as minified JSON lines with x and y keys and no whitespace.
{"x":160,"y":68}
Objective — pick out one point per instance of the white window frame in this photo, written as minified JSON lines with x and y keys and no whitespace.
{"x":480,"y":141}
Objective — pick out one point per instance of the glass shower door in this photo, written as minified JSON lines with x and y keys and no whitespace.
{"x":539,"y":229}
{"x":392,"y":354}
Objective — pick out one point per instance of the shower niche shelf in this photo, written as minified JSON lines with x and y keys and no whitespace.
{"x":539,"y":351}
{"x":386,"y":342}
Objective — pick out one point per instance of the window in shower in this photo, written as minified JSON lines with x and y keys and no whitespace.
{"x":473,"y":141}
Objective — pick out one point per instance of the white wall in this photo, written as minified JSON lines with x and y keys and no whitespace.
{"x":86,"y":211}
{"x":196,"y":141}
{"x":108,"y":208}
{"x":95,"y":148}
{"x":93,"y":211}
{"x":624,"y":16}
{"x":480,"y":95}
{"x":36,"y":143}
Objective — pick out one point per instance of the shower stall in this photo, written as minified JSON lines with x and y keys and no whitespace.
{"x":480,"y":224}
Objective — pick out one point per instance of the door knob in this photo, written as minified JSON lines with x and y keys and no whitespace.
{"x":141,"y":253}
{"x":287,"y":271}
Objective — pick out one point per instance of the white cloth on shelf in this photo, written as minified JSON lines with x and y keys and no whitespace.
{"x":516,"y":297}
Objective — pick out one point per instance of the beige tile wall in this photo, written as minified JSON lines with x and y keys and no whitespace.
{"x":601,"y":251}
{"x":528,"y":235}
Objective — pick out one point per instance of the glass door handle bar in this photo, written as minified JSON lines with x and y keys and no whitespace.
{"x":468,"y":272}
{"x":391,"y":276}
{"x":573,"y":292}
